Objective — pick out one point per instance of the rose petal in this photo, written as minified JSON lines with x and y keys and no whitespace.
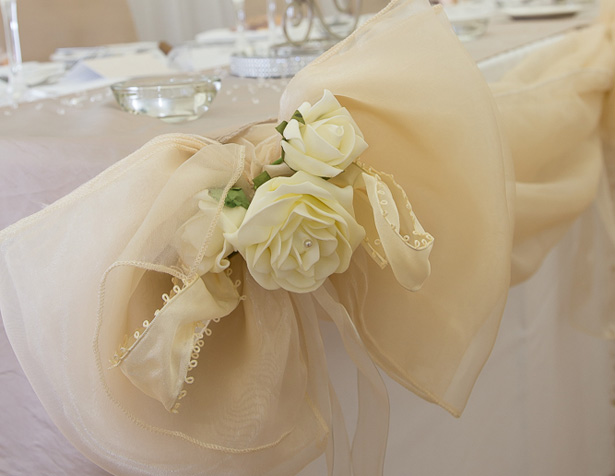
{"x":275,"y":247}
{"x":327,"y":103}
{"x":359,"y":147}
{"x":297,"y":160}
{"x":290,"y":226}
{"x":343,"y":112}
{"x":327,"y":267}
{"x":297,"y":282}
{"x":304,"y":109}
{"x":297,"y":209}
{"x":329,"y":246}
{"x":285,"y":251}
{"x":293,"y":131}
{"x":317,"y":146}
{"x":314,"y":212}
{"x":290,"y":263}
{"x":311,"y":256}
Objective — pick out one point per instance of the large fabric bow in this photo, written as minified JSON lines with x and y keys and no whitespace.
{"x":274,"y":377}
{"x":115,"y":279}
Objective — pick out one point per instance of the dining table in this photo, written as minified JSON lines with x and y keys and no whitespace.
{"x":544,"y":403}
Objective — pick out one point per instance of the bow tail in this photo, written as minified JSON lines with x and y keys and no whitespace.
{"x":366,"y":457}
{"x":321,"y":389}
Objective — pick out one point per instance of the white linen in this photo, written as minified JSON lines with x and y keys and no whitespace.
{"x":524,"y":416}
{"x":35,"y":72}
{"x":72,"y":54}
{"x":48,"y":80}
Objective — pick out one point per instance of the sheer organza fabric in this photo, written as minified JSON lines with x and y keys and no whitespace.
{"x":557,"y":112}
{"x":91,"y":268}
{"x":249,"y":405}
{"x":555,"y":117}
{"x":99,"y":260}
{"x":428,"y":142}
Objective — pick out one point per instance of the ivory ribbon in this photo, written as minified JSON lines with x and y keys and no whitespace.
{"x":396,"y":237}
{"x":370,"y":439}
{"x":366,"y":456}
{"x":160,"y":358}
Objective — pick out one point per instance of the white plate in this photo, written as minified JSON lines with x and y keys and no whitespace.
{"x":523,"y":12}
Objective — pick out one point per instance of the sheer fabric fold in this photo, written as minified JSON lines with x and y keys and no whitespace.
{"x":249,"y":405}
{"x":103,"y":305}
{"x":428,"y":131}
{"x":557,"y":112}
{"x":558,"y":124}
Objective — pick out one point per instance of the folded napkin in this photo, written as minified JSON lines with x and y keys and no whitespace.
{"x":46,"y":80}
{"x":99,"y":72}
{"x":120,"y":67}
{"x":72,"y":54}
{"x":35,"y":72}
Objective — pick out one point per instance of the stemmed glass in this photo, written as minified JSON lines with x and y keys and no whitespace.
{"x":271,"y":27}
{"x":16,"y":83}
{"x":240,"y":23}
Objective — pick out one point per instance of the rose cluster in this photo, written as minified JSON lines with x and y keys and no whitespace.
{"x":300,"y":229}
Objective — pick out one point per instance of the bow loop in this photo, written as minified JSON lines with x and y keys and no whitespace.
{"x":159,"y":359}
{"x":394,"y":235}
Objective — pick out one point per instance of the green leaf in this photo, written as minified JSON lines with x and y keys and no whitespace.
{"x":216,"y":193}
{"x":281,"y":126}
{"x":235,"y":197}
{"x":298,"y":117}
{"x":279,"y":161}
{"x":261,"y":179}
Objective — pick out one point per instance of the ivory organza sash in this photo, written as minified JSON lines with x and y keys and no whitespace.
{"x":556,"y":110}
{"x":148,"y":365}
{"x":158,"y":350}
{"x":557,"y":113}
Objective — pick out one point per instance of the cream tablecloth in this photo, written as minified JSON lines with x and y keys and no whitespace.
{"x":542,"y":405}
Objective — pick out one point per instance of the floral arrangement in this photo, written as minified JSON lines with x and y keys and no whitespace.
{"x":293,"y":223}
{"x":299,"y":227}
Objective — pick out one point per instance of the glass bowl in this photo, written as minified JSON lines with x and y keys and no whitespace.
{"x":170,"y":98}
{"x":469,"y":18}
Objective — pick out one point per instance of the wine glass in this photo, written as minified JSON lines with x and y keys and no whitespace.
{"x":16,"y":84}
{"x":271,"y":26}
{"x":241,"y":43}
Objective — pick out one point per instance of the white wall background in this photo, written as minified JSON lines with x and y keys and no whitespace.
{"x":179,"y":20}
{"x":175,"y":21}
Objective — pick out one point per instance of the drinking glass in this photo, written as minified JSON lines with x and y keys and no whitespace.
{"x":240,"y":24}
{"x":469,"y":18}
{"x":16,"y":84}
{"x":271,"y":26}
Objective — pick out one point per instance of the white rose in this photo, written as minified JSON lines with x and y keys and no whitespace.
{"x":193,"y":233}
{"x":298,"y":231}
{"x":327,"y":143}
